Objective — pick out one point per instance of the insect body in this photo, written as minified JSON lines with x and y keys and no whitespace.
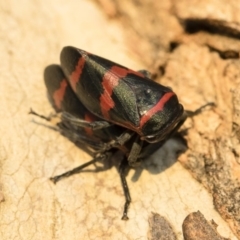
{"x":120,"y":95}
{"x":107,"y":107}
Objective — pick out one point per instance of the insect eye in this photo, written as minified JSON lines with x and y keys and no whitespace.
{"x":148,"y":91}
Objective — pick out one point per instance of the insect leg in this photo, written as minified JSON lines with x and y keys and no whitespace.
{"x":199,"y":110}
{"x":80,"y":137}
{"x":47,"y":118}
{"x":78,"y":169}
{"x":184,"y":117}
{"x":134,"y":152}
{"x":122,"y":172}
{"x":78,"y":122}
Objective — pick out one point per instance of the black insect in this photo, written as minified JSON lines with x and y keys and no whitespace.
{"x":108,"y":107}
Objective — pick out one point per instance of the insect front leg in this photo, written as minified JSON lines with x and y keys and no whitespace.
{"x":151,"y":148}
{"x":199,"y":110}
{"x":122,"y":172}
{"x":130,"y":161}
{"x":133,"y":156}
{"x":118,"y":142}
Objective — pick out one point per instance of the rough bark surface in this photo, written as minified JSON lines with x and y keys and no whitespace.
{"x":151,"y":35}
{"x":195,"y":227}
{"x":203,"y":66}
{"x":160,"y":228}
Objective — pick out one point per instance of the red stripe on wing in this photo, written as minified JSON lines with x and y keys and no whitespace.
{"x":58,"y":95}
{"x":76,"y":74}
{"x":158,"y":107}
{"x":110,"y":81}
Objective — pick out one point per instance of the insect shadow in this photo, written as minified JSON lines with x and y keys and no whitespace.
{"x":163,"y":158}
